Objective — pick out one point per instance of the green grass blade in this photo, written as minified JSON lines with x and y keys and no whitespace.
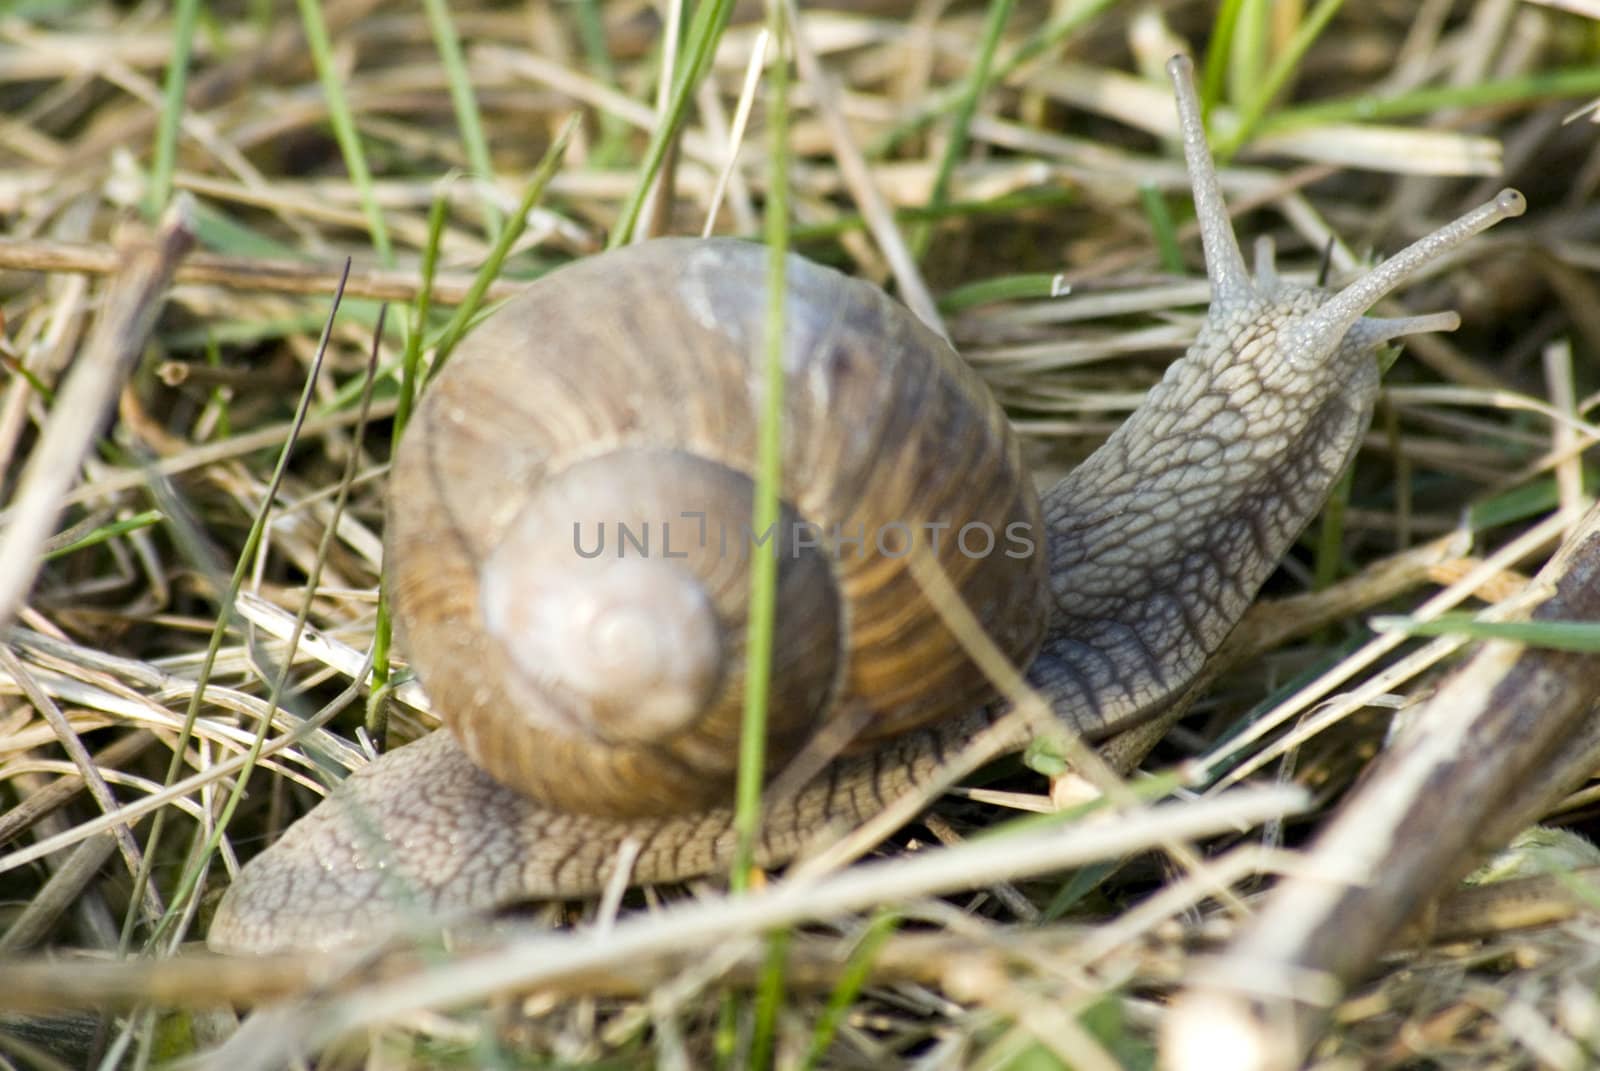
{"x":700,"y":46}
{"x":490,"y":270}
{"x":613,"y":139}
{"x":769,"y":459}
{"x":164,"y":155}
{"x":106,"y":531}
{"x":1330,"y":531}
{"x":1079,"y":884}
{"x":16,"y":368}
{"x":1521,"y":89}
{"x":1524,"y":503}
{"x":851,"y":980}
{"x":1247,"y":52}
{"x":465,"y":102}
{"x":972,"y":91}
{"x":1255,"y":105}
{"x":1581,"y":636}
{"x":1072,"y":17}
{"x":410,"y":365}
{"x":344,"y":126}
{"x":1021,"y":201}
{"x":219,"y":396}
{"x":769,"y":1000}
{"x":1162,"y":228}
{"x":1003,"y":288}
{"x":1218,"y":49}
{"x":411,"y":361}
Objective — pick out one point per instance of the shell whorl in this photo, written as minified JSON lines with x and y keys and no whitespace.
{"x":614,"y":404}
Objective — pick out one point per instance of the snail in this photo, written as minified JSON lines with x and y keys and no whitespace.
{"x":593,"y":694}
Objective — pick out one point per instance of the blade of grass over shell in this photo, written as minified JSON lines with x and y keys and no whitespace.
{"x":1581,"y":636}
{"x":164,"y":152}
{"x":343,"y":122}
{"x":955,"y":145}
{"x":769,"y":463}
{"x":762,"y":621}
{"x":465,"y":102}
{"x":461,"y":319}
{"x":226,"y":617}
{"x":699,"y":48}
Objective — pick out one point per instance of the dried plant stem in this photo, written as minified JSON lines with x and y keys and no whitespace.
{"x":1272,"y":622}
{"x":52,"y":796}
{"x":281,"y":54}
{"x":1485,"y":756}
{"x":548,"y":959}
{"x":85,"y":398}
{"x":206,"y":979}
{"x":87,"y":770}
{"x":65,"y":887}
{"x":247,"y":273}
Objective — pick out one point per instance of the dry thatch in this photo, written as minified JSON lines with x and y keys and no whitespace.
{"x":1389,"y":120}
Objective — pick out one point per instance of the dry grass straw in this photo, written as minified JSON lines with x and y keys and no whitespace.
{"x":1482,"y":445}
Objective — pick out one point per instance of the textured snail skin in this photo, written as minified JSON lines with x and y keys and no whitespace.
{"x":1156,"y":545}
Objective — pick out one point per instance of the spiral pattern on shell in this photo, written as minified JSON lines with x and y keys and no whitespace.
{"x":570,"y":525}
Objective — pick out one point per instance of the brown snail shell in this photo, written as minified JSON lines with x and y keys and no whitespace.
{"x":570,"y":525}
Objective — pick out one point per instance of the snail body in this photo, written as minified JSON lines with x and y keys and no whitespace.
{"x":594,"y":699}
